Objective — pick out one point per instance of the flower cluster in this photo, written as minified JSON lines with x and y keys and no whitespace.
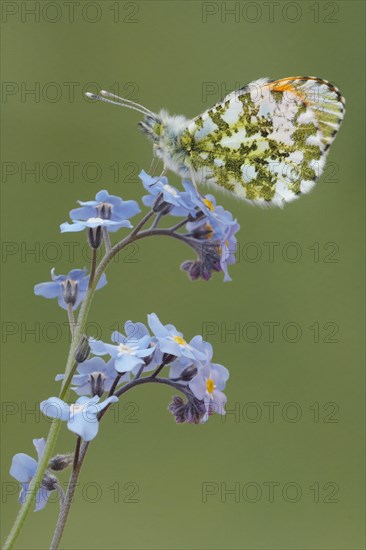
{"x":211,"y":228}
{"x":140,"y":354}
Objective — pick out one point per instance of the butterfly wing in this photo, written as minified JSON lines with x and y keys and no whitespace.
{"x":268,"y":141}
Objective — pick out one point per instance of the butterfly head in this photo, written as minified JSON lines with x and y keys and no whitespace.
{"x":152,"y":126}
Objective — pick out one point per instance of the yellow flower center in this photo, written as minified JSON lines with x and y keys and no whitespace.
{"x":210,"y":385}
{"x":179,"y":340}
{"x":209,"y":204}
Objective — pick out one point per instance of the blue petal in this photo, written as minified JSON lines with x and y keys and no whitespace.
{"x":169,"y":346}
{"x":90,"y":365}
{"x":23,"y":467}
{"x":127,"y":362}
{"x":71,"y":227}
{"x":83,"y":213}
{"x":39,"y":445}
{"x":55,"y":408}
{"x":85,"y":423}
{"x":106,"y":402}
{"x":156,"y":325}
{"x":47,"y":290}
{"x":101,"y":348}
{"x":41,"y":498}
{"x":88,"y":203}
{"x":77,"y":274}
{"x":102,"y":282}
{"x":102,"y":196}
{"x":118,"y":338}
{"x":135,"y":330}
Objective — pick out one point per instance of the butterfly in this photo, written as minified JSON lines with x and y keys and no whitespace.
{"x":266,"y":143}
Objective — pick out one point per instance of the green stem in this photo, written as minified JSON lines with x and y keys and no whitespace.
{"x":55,"y":426}
{"x":65,"y":509}
{"x":71,"y":366}
{"x":36,"y":481}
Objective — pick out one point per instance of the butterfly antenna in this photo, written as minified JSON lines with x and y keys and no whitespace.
{"x":133,"y":106}
{"x":104,"y":93}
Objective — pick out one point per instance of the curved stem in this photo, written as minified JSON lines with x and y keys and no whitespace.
{"x":115,"y":383}
{"x":107,"y":240}
{"x":180,"y":224}
{"x":93,"y":267}
{"x":149,"y":379}
{"x":70,"y":315}
{"x":64,"y":512}
{"x":156,"y":221}
{"x":55,"y":426}
{"x":79,"y":327}
{"x":81,"y":450}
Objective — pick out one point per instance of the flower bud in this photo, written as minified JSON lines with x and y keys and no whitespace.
{"x":60,"y":462}
{"x":147,"y":360}
{"x":161,"y":206}
{"x":188,"y":373}
{"x":95,"y":237}
{"x":199,"y":215}
{"x":83,"y":350}
{"x":190,"y":411}
{"x":69,"y":291}
{"x":168,"y":358}
{"x":49,"y":482}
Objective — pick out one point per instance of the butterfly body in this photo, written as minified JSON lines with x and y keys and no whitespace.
{"x":166,"y":132}
{"x":265,"y":143}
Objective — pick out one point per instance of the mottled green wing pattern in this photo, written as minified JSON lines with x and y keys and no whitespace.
{"x":267,"y":142}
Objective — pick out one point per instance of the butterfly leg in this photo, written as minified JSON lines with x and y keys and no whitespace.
{"x":160,"y":177}
{"x":193,"y":180}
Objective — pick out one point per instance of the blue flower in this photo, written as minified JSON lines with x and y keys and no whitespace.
{"x":68,"y":289}
{"x":106,"y":211}
{"x":207,"y":386}
{"x":23,"y":468}
{"x":94,"y":377}
{"x":214,"y":224}
{"x":81,"y":417}
{"x":228,"y":248}
{"x":176,"y":202}
{"x":215,"y":243}
{"x":129,"y":353}
{"x":92,"y":223}
{"x":171,"y":341}
{"x":184,"y":367}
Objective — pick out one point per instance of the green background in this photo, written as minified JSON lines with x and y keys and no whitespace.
{"x":169,"y":57}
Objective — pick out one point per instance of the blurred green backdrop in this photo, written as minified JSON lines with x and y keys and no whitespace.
{"x":291,"y":448}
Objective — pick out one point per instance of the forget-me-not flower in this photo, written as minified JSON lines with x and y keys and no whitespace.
{"x":171,"y":341}
{"x":207,"y":386}
{"x":23,"y":469}
{"x":180,"y":202}
{"x":128,"y":353}
{"x":68,"y":289}
{"x":106,"y":211}
{"x":81,"y":416}
{"x":94,"y":377}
